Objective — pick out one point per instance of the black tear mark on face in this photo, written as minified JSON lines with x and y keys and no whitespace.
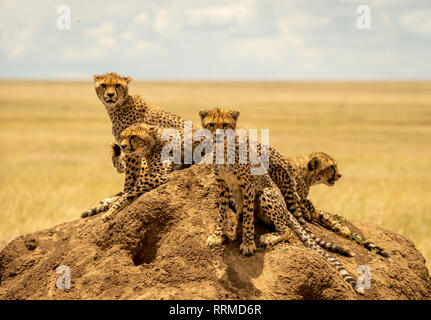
{"x":334,"y":174}
{"x":117,"y":150}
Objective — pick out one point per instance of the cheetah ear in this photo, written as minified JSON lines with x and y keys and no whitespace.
{"x":235,"y":114}
{"x":314,"y":163}
{"x":203,"y":113}
{"x":127,"y":79}
{"x":96,"y":77}
{"x":153,"y":131}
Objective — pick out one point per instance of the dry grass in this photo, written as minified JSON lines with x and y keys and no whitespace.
{"x":55,"y":160}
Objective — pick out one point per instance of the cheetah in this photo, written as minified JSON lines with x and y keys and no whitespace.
{"x":250,"y":191}
{"x":146,"y":162}
{"x":320,"y":168}
{"x":279,"y":172}
{"x":125,"y":110}
{"x":294,"y":177}
{"x":141,"y":141}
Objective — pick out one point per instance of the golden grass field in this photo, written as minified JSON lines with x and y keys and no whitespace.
{"x":56,"y":163}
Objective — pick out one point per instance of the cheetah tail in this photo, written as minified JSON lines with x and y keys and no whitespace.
{"x":95,"y":210}
{"x":369,"y":245}
{"x":343,"y":272}
{"x":102,"y":206}
{"x":326,"y":244}
{"x":307,"y":239}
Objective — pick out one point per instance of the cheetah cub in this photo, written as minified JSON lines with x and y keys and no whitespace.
{"x":320,"y":168}
{"x":141,"y":142}
{"x":252,"y":191}
{"x":125,"y":109}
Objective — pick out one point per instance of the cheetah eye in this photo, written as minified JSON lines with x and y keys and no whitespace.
{"x":117,"y":85}
{"x":103,"y":86}
{"x":225,"y":125}
{"x":210,"y":125}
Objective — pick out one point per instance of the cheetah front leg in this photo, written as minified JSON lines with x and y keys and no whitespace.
{"x":148,"y":181}
{"x":233,"y":218}
{"x":102,"y":206}
{"x":270,"y":197}
{"x":272,"y":211}
{"x":133,"y":171}
{"x":248,"y":246}
{"x":329,"y":221}
{"x":122,"y":202}
{"x":326,"y":220}
{"x":218,"y":237}
{"x":287,"y":185}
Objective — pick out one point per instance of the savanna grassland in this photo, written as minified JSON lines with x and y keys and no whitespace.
{"x":55,"y":159}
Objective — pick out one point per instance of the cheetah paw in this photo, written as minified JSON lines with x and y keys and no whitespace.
{"x":231,"y":233}
{"x":108,"y":215}
{"x":269,"y":240}
{"x":214,"y":240}
{"x":248,"y":248}
{"x":306,"y":215}
{"x":360,"y":290}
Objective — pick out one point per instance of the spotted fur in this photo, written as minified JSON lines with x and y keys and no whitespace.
{"x":118,"y":158}
{"x":125,"y":110}
{"x":250,"y":190}
{"x":321,"y":168}
{"x":280,"y":172}
{"x":141,"y":142}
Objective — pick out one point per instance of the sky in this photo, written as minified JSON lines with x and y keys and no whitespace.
{"x":217,"y":39}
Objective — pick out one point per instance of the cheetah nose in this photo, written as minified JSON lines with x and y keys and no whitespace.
{"x":110,"y":95}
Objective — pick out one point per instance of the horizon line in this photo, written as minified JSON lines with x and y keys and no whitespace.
{"x":78,"y":79}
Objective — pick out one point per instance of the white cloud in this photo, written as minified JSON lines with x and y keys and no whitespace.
{"x":142,"y":47}
{"x":268,"y":47}
{"x":376,"y":3}
{"x":107,"y":42}
{"x":418,"y":22}
{"x":141,"y":18}
{"x":283,"y":37}
{"x":302,"y":20}
{"x":239,"y":12}
{"x":83,"y":54}
{"x":386,"y":21}
{"x":170,"y":20}
{"x":104,"y":34}
{"x":17,"y":42}
{"x":127,"y":35}
{"x":102,"y":30}
{"x":165,"y":23}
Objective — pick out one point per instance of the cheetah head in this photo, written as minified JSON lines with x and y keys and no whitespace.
{"x":111,"y":89}
{"x":140,"y":139}
{"x":322,"y":168}
{"x":218,"y":119}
